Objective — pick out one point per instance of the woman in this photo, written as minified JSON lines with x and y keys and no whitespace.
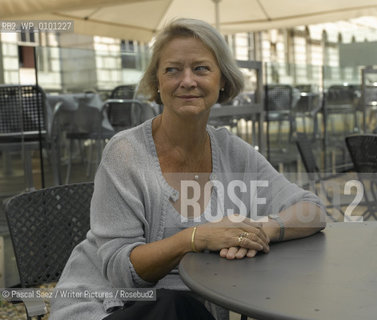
{"x":144,"y":219}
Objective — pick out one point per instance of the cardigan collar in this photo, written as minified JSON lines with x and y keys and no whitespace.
{"x":172,"y":193}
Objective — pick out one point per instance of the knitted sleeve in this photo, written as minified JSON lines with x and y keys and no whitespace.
{"x":118,"y":219}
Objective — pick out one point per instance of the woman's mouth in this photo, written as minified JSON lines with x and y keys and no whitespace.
{"x":188,"y":97}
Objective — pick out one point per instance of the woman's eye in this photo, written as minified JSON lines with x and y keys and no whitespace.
{"x":202,"y":68}
{"x":170,"y":69}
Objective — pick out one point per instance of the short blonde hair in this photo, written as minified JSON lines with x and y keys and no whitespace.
{"x":210,"y":37}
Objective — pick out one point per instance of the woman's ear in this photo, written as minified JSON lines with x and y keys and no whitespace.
{"x":222,"y":82}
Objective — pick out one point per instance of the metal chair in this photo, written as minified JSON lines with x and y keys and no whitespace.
{"x":123,"y":92}
{"x":279,"y":108}
{"x":124,"y":113}
{"x":24,"y":127}
{"x":82,"y":118}
{"x":339,"y":100}
{"x":308,"y":106}
{"x":280,"y":101}
{"x":368,"y":101}
{"x":45,"y":225}
{"x":363,"y":151}
{"x":124,"y":110}
{"x":316,"y":179}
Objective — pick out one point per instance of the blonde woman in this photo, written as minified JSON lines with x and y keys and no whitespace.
{"x":141,"y":220}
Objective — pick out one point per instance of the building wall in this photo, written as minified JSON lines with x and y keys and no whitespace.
{"x":306,"y":54}
{"x":9,"y":49}
{"x":108,"y":62}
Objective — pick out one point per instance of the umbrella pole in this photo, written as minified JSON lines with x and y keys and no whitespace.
{"x":217,"y":14}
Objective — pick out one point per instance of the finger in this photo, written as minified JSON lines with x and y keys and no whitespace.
{"x":223,"y":252}
{"x":241,"y":253}
{"x":231,"y":254}
{"x":251,"y":253}
{"x":254,"y":237}
{"x":257,"y":238}
{"x":262,"y":234}
{"x":252,"y":241}
{"x":259,"y":232}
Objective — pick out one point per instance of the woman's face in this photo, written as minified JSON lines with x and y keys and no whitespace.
{"x":189,"y":78}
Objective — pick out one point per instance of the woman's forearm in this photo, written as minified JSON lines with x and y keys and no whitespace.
{"x":154,"y":260}
{"x":300,"y":220}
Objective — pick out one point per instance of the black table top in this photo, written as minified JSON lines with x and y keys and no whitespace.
{"x":330,"y":275}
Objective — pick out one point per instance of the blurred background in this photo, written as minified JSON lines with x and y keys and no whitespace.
{"x":309,"y":68}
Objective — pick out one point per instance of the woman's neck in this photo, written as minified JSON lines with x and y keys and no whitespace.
{"x":190,"y":135}
{"x":182,"y":143}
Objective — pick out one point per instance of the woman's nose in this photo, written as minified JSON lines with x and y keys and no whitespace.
{"x":188,"y":78}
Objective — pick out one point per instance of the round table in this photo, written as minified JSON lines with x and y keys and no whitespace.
{"x":330,"y":275}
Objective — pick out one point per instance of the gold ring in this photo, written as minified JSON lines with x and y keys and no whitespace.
{"x":244,"y":234}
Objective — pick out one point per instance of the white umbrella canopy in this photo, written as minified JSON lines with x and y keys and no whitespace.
{"x":140,"y":19}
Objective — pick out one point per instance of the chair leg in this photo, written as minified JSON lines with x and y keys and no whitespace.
{"x":315,"y":127}
{"x":55,"y":163}
{"x":354,"y":120}
{"x":90,"y":160}
{"x":35,"y":308}
{"x":28,"y":170}
{"x":100,"y":146}
{"x":304,"y":123}
{"x":82,"y":150}
{"x":292,"y":127}
{"x":7,"y":163}
{"x":332,"y":122}
{"x":253,"y":131}
{"x":69,"y":165}
{"x":238,"y":131}
{"x":279,"y":133}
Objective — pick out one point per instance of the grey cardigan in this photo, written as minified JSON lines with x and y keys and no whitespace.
{"x":129,"y":208}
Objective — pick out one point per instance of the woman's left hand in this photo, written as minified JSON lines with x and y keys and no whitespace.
{"x":237,"y":253}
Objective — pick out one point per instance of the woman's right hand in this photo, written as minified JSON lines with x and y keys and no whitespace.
{"x":242,"y":238}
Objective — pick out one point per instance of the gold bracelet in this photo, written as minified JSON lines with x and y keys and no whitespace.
{"x":193,"y":240}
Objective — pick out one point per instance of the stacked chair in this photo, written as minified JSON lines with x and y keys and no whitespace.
{"x":45,"y":226}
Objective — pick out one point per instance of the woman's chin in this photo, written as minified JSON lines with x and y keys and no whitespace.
{"x":193,"y":111}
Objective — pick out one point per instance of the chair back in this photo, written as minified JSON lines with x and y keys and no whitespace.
{"x":363,"y":152}
{"x":342,"y":95}
{"x":123,"y":92}
{"x":45,"y":226}
{"x":306,"y":152}
{"x":370,"y":95}
{"x":369,"y":87}
{"x":310,"y":99}
{"x":279,"y":97}
{"x":22,"y":111}
{"x":124,"y":113}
